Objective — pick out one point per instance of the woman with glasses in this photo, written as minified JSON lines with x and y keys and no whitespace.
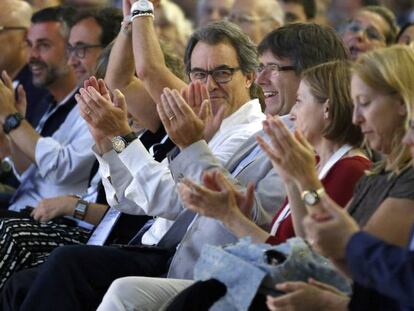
{"x":372,"y":27}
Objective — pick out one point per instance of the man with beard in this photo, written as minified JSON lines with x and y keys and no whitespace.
{"x":15,"y":20}
{"x":54,"y":158}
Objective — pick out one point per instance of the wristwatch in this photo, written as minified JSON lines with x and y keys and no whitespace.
{"x":119,"y":143}
{"x":312,"y":197}
{"x":12,"y":122}
{"x":81,"y":209}
{"x":142,"y":8}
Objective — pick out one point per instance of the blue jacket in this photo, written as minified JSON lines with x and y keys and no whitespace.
{"x":383,"y":273}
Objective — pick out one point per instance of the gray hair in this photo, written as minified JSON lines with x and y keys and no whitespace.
{"x":224,"y":31}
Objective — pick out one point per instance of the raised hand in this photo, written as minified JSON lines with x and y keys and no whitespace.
{"x":7,"y":99}
{"x":21,"y":102}
{"x":197,"y":96}
{"x":183,"y":126}
{"x":105,"y":118}
{"x":212,"y":122}
{"x":329,"y":229}
{"x":218,"y":198}
{"x":291,"y":155}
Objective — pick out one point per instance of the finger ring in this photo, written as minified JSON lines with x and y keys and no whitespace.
{"x":172,"y":117}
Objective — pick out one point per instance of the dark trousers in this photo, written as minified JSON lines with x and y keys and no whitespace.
{"x":77,"y":277}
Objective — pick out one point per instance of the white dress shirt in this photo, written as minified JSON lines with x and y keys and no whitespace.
{"x":140,"y":185}
{"x":62,"y":165}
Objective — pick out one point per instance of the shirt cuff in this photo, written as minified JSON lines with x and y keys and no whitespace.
{"x":135,"y":156}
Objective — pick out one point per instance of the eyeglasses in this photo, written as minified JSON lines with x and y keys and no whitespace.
{"x":7,"y":28}
{"x":221,"y":74}
{"x":370,"y":32}
{"x":246,"y":19}
{"x":273,"y":68}
{"x":80,"y":49}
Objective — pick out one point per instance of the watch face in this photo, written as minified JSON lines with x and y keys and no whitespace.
{"x":12,"y":122}
{"x":144,"y":5}
{"x":118,"y":144}
{"x":310,"y":198}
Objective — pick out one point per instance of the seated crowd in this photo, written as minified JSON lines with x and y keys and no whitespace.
{"x":138,"y":146}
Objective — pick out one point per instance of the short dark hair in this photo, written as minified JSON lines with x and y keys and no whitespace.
{"x":389,"y":17}
{"x":108,"y":18}
{"x":331,"y":82}
{"x":224,"y":31}
{"x":305,"y":44}
{"x":403,"y":28}
{"x":309,"y":7}
{"x":61,"y":14}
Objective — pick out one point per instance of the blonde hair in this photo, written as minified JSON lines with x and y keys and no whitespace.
{"x":391,"y":71}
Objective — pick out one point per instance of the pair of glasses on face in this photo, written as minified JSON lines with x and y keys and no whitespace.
{"x":370,"y":32}
{"x":273,"y":68}
{"x":80,"y":50}
{"x":222,"y":74}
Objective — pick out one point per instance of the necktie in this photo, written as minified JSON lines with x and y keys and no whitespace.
{"x":173,"y":237}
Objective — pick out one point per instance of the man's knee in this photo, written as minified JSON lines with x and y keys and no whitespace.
{"x":122,"y":287}
{"x":67,"y":254}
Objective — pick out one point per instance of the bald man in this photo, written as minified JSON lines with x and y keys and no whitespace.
{"x":257,"y":18}
{"x":212,"y":11}
{"x":14,"y":22}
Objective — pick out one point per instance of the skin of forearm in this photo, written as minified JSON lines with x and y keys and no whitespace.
{"x":146,"y":47}
{"x":23,"y":147}
{"x":309,"y":183}
{"x":20,"y":160}
{"x":298,"y":209}
{"x":241,"y":226}
{"x":149,"y":60}
{"x":121,"y":75}
{"x":103,"y":146}
{"x":95,"y":213}
{"x":121,"y":66}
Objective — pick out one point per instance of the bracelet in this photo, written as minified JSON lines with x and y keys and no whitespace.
{"x":126,"y":25}
{"x":136,"y":14}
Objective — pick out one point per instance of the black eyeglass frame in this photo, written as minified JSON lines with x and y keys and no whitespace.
{"x":232,"y":70}
{"x":278,"y":69}
{"x":80,"y":50}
